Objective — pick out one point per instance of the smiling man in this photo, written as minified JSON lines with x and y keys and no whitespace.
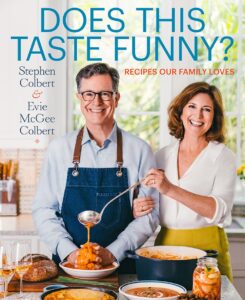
{"x":85,"y":169}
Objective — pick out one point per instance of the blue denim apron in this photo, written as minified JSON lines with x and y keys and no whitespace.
{"x":91,"y":189}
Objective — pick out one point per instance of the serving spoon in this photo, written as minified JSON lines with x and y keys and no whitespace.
{"x":90,"y":218}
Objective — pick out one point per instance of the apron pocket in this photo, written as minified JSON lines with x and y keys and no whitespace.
{"x":112,"y":213}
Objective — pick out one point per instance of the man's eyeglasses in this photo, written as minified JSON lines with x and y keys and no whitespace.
{"x":90,"y":96}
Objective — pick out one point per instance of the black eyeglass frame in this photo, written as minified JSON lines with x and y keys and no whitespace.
{"x":99,"y":94}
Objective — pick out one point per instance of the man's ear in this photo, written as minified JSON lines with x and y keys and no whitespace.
{"x":117,"y":98}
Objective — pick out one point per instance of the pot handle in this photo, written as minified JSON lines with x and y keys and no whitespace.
{"x":211,"y":253}
{"x":131,"y":254}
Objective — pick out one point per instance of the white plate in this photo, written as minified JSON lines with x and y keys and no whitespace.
{"x":89,"y":274}
{"x":150,"y":283}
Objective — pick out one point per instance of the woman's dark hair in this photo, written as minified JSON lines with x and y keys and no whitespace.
{"x":175,"y":125}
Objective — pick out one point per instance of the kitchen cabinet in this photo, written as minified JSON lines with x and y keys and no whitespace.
{"x":237,"y":250}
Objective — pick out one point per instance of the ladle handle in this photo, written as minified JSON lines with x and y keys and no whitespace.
{"x":119,"y":195}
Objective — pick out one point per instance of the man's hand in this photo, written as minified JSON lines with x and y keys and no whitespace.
{"x":107,"y":258}
{"x":101,"y":256}
{"x":71,"y":258}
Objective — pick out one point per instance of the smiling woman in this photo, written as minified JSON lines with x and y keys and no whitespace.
{"x":198,"y":102}
{"x":196,"y":175}
{"x":198,"y":114}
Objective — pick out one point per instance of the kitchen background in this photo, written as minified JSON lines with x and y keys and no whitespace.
{"x":145,"y":98}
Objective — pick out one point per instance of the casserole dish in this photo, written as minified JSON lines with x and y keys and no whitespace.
{"x":79,"y":293}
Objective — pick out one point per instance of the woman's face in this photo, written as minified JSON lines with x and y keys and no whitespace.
{"x":198,"y":114}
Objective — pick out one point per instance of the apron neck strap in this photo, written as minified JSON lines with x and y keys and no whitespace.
{"x":78,"y":150}
{"x":119,"y":153}
{"x":78,"y":147}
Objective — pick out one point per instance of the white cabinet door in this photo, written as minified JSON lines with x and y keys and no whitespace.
{"x":237,"y":250}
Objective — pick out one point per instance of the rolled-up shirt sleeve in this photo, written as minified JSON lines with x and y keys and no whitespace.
{"x":140,"y":229}
{"x":223,"y":189}
{"x":46,"y":209}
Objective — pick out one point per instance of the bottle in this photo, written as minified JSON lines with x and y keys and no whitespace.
{"x":207,"y":279}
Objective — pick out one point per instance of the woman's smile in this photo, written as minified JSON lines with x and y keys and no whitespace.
{"x":197,"y":115}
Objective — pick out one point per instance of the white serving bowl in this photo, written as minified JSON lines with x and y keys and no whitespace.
{"x":89,"y":274}
{"x":151,"y":283}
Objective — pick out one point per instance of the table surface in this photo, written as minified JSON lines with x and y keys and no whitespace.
{"x":228,"y":291}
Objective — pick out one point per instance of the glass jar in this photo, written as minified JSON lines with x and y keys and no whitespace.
{"x":207,"y":279}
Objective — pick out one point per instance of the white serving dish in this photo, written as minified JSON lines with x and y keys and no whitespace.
{"x":89,"y":274}
{"x":150,"y":283}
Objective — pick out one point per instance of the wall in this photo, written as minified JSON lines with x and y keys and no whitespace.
{"x":22,"y":18}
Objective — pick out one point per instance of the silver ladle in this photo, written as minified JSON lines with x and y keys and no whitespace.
{"x":91,"y":218}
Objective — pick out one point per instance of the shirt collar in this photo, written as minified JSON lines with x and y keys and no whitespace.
{"x":111,"y":138}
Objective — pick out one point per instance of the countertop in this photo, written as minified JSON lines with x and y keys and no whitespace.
{"x":17,"y":225}
{"x":24,"y":225}
{"x":228,"y":292}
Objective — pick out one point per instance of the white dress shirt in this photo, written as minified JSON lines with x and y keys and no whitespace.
{"x":137,"y":158}
{"x":213,"y":174}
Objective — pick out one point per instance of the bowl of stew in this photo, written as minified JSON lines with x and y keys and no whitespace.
{"x":151,"y":290}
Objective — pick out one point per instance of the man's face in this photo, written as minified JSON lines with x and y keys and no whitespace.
{"x":98,"y":112}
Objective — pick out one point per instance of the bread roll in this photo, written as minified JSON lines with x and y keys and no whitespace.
{"x":43,"y":268}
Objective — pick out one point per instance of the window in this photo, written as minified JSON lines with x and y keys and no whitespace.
{"x":139,"y":108}
{"x":143,"y":105}
{"x":226,"y":17}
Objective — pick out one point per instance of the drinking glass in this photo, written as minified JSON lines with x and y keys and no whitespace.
{"x":23,"y":261}
{"x":7,"y":265}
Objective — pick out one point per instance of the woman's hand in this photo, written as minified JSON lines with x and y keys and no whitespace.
{"x":142,"y":206}
{"x":157,"y":179}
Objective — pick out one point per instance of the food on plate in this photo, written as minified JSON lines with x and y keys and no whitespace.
{"x":157,"y":254}
{"x":152,"y":292}
{"x":78,"y":294}
{"x":86,"y":258}
{"x":207,"y":281}
{"x":42,"y":268}
{"x":71,"y":266}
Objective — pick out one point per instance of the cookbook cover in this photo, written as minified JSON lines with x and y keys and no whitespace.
{"x":158,"y":47}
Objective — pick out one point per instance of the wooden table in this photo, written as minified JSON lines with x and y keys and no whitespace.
{"x":110,"y":282}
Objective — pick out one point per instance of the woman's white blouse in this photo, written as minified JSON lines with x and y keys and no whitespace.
{"x":213,"y":173}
